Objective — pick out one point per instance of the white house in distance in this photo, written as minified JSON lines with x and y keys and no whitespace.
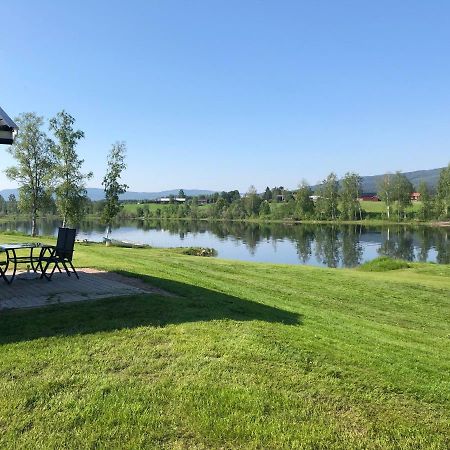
{"x":168,"y":199}
{"x":8,"y":128}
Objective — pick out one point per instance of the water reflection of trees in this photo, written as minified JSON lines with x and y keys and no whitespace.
{"x":398,"y":243}
{"x":442,"y":246}
{"x":352,"y":250}
{"x":402,"y":242}
{"x":331,"y":245}
{"x":304,"y":238}
{"x":327,"y":245}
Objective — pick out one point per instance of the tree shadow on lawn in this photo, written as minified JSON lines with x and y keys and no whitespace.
{"x":192,"y":304}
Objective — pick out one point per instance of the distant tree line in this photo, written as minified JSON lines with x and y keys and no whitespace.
{"x":50,"y":172}
{"x":332,"y":200}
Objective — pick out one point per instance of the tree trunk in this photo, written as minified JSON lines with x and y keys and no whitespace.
{"x":33,"y":223}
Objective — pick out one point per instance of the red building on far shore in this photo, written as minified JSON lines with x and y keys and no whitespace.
{"x":369,"y":197}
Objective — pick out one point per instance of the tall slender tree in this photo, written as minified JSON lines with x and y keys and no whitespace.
{"x":111,"y":183}
{"x":426,"y":209}
{"x":3,"y":205}
{"x":350,"y":191}
{"x":327,"y":203}
{"x":70,"y":180}
{"x":267,"y":194}
{"x":252,"y":201}
{"x":304,"y":205}
{"x":386,"y":193}
{"x":443,"y":193}
{"x":402,"y":188}
{"x":32,"y":151}
{"x":12,"y":204}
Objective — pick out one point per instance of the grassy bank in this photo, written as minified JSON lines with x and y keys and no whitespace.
{"x":246,"y":356}
{"x":374,"y":212}
{"x":374,"y":215}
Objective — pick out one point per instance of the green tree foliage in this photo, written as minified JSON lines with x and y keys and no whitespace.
{"x":426,"y":210}
{"x":304,"y":205}
{"x":252,"y":201}
{"x":34,"y":169}
{"x":217,"y":209}
{"x":264,"y":208}
{"x":111,"y":183}
{"x":194,"y":208}
{"x":386,"y":193}
{"x":70,"y":180}
{"x":3,"y":206}
{"x":327,"y":203}
{"x":236,"y":210}
{"x":402,"y":189}
{"x":230,"y":196}
{"x":12,"y":204}
{"x":267,"y":194}
{"x":181,"y":194}
{"x":443,"y":193}
{"x":277,"y":193}
{"x":350,"y":192}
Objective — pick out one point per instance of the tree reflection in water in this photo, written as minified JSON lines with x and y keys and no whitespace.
{"x":328,"y":245}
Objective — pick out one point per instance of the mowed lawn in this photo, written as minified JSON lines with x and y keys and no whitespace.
{"x":245,"y":356}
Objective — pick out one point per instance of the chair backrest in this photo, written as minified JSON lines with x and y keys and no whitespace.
{"x":65,"y":243}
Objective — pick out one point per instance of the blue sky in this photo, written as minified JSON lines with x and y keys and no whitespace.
{"x":224,"y":94}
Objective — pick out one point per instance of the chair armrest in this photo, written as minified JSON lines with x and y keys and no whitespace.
{"x":44,"y":248}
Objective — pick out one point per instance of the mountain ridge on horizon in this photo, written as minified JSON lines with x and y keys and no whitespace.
{"x":430,"y":176}
{"x":96,"y":194}
{"x":369,"y":184}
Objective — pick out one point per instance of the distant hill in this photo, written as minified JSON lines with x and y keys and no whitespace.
{"x":98,"y":194}
{"x":370,"y":183}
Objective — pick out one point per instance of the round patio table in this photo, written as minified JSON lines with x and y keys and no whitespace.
{"x":13,"y":259}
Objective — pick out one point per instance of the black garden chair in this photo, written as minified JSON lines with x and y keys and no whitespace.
{"x":59,"y":255}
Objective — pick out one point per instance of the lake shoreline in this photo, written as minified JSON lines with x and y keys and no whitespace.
{"x":319,"y":243}
{"x":363,"y":222}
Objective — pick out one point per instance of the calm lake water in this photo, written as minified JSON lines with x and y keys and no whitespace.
{"x":319,"y":245}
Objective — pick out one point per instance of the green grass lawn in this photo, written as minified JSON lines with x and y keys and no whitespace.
{"x":131,"y":208}
{"x":246,"y":356}
{"x":379,"y":207}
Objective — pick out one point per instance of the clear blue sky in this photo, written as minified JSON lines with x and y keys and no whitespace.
{"x":224,"y":94}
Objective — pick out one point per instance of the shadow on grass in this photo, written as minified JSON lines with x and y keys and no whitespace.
{"x":193,"y":304}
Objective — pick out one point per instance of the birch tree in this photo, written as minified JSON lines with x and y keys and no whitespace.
{"x":111,"y":183}
{"x":327,"y":203}
{"x":303,"y":201}
{"x":443,"y":193}
{"x":33,"y":172}
{"x":350,"y":191}
{"x":402,"y":188}
{"x":426,"y":209}
{"x":386,"y":193}
{"x":70,"y":187}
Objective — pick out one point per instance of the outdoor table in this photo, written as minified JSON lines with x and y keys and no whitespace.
{"x":12,"y":258}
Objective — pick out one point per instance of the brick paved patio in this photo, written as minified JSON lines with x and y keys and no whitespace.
{"x":28,"y":291}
